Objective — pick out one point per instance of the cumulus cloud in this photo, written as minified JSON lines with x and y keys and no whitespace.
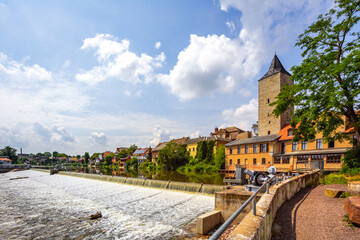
{"x":159,"y":135}
{"x":231,"y":26}
{"x":16,"y":71}
{"x":242,"y":116}
{"x":117,"y":62}
{"x":98,"y":138}
{"x":218,"y":64}
{"x":54,"y":134}
{"x":195,"y":134}
{"x":157,"y":45}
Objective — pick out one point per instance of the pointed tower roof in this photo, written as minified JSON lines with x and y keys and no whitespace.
{"x":275,"y":67}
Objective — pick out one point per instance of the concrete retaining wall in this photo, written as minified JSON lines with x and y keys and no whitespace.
{"x":259,"y":226}
{"x":169,"y":185}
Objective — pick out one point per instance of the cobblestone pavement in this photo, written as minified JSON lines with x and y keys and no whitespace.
{"x":312,"y":215}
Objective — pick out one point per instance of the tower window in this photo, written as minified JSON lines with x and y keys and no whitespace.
{"x":269,"y":122}
{"x":268,"y":100}
{"x":268,"y":132}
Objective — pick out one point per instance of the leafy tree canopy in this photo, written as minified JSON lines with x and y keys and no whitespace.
{"x":95,"y":155}
{"x":220,"y":157}
{"x":173,"y":155}
{"x":326,"y":83}
{"x":86,"y":157}
{"x":47,"y":154}
{"x":123,"y":153}
{"x":10,"y":153}
{"x":132,"y":149}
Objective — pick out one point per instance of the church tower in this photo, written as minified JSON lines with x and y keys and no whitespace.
{"x":269,"y":87}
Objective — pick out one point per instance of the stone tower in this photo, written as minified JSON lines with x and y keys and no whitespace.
{"x":269,"y":87}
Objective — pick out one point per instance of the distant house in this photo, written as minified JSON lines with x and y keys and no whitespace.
{"x":106,"y":154}
{"x":191,"y":144}
{"x":141,"y":154}
{"x":5,"y":161}
{"x":231,"y":133}
{"x":119,"y":149}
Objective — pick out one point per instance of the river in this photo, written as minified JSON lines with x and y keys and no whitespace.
{"x":43,"y":206}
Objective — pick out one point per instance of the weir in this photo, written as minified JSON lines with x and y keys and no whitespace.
{"x":169,"y":185}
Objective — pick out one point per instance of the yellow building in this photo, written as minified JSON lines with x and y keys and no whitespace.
{"x":191,"y":144}
{"x":274,"y":144}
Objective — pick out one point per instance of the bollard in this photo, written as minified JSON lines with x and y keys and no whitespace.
{"x":254,"y":206}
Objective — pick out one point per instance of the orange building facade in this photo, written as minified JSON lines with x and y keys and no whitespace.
{"x":274,"y":145}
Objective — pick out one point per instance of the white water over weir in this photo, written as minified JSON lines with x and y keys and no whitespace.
{"x":45,"y":206}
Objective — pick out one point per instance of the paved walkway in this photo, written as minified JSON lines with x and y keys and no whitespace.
{"x":312,"y":215}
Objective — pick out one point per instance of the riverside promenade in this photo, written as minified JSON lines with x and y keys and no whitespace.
{"x":36,"y":205}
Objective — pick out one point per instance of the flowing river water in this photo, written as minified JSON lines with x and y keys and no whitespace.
{"x":36,"y":205}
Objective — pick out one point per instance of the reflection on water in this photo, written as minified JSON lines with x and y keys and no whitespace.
{"x":206,"y":178}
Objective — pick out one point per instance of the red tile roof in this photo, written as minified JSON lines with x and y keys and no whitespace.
{"x":284,"y":133}
{"x":5,"y":159}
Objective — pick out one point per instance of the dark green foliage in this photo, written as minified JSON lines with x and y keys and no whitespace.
{"x":86,"y":158}
{"x":147,"y":166}
{"x":352,"y":158}
{"x":334,"y":178}
{"x":132,"y":149}
{"x":326,"y":83}
{"x":172,"y":156}
{"x":10,"y":153}
{"x":95,"y":155}
{"x":123,"y":154}
{"x":220,"y":157}
{"x":149,"y":155}
{"x":132,"y":164}
{"x":205,"y":152}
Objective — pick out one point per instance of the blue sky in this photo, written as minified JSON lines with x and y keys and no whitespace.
{"x":80,"y":76}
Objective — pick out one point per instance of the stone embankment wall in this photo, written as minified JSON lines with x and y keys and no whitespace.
{"x":208,"y":189}
{"x":259,"y":226}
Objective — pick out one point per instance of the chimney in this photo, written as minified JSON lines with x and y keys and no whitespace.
{"x":21,"y":151}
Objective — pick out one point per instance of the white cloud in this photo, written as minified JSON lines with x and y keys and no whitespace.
{"x":117,"y":62}
{"x":98,"y":138}
{"x":127,"y":93}
{"x":231,"y":26}
{"x":195,"y":134}
{"x":218,"y":64}
{"x":56,"y":135}
{"x":19,"y":72}
{"x":136,"y":93}
{"x":157,"y":45}
{"x":159,"y":135}
{"x":242,"y":116}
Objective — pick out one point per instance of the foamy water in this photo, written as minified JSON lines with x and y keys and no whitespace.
{"x":47,"y":206}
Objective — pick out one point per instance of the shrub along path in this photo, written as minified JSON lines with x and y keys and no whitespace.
{"x":312,"y":215}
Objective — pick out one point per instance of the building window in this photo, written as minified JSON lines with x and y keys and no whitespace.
{"x":238,"y":161}
{"x":189,"y":149}
{"x":304,"y":145}
{"x":238,"y":149}
{"x":269,"y":122}
{"x":333,"y":158}
{"x":255,"y":148}
{"x":246,"y":149}
{"x":290,"y":132}
{"x":283,"y":147}
{"x":302,"y":159}
{"x":268,"y":100}
{"x":254,"y":161}
{"x":264,"y":147}
{"x":277,"y":160}
{"x":331,"y":144}
{"x":294,"y":146}
{"x":193,"y":149}
{"x":285,"y":160}
{"x":230,"y":161}
{"x":230,"y":150}
{"x":268,"y":132}
{"x":317,"y":157}
{"x":263,"y":161}
{"x":318,"y":143}
{"x":221,"y":135}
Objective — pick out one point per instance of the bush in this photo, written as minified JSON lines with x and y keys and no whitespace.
{"x":352,"y":158}
{"x":334,"y":178}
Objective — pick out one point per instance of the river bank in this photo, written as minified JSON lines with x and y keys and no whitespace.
{"x":45,"y":206}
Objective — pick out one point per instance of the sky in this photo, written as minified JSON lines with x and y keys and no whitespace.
{"x":90,"y":76}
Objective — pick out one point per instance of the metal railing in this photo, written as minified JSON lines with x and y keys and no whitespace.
{"x":226,"y":224}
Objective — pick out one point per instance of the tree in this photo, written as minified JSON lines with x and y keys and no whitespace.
{"x":95,"y":156}
{"x":132,"y":149}
{"x":123,"y":153}
{"x":86,"y":158}
{"x":47,"y":154}
{"x":10,"y":153}
{"x":55,"y":154}
{"x":149,"y":155}
{"x":220,"y":157}
{"x":326,"y":83}
{"x":173,"y":155}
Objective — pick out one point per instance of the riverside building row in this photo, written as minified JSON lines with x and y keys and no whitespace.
{"x":274,"y":145}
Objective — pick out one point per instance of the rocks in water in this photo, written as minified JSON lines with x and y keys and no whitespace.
{"x":18,"y":178}
{"x":352,"y":208}
{"x":96,"y":215}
